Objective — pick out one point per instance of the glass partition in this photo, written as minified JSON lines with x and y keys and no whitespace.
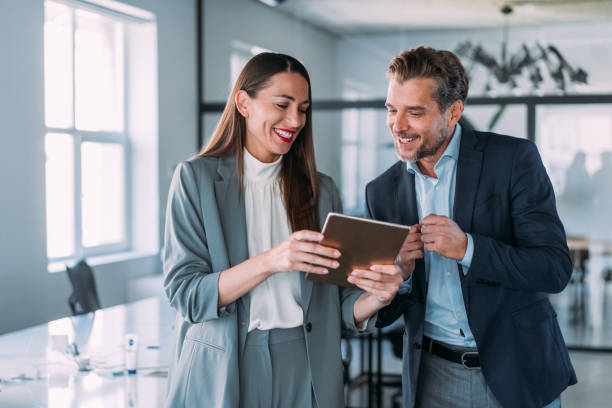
{"x":575,"y":142}
{"x":504,"y":119}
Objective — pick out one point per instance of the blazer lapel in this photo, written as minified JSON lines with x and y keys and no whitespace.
{"x":468,"y":177}
{"x":408,"y":214}
{"x":406,"y":205}
{"x":231,"y":211}
{"x":324,"y":207}
{"x":306,"y":293}
{"x":469,"y":167}
{"x":233,"y":222}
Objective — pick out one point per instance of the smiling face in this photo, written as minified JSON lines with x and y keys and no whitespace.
{"x":420,"y":130}
{"x":275,"y":116}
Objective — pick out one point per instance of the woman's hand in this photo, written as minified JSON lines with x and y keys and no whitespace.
{"x":380,"y":281}
{"x":301,"y":251}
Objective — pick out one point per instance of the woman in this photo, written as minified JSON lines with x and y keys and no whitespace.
{"x":241,"y":222}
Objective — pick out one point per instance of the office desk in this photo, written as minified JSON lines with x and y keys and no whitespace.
{"x":41,"y":376}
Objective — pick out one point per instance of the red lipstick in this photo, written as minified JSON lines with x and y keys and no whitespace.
{"x":286,"y":135}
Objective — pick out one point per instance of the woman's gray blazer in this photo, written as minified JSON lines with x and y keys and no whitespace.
{"x":206,"y":234}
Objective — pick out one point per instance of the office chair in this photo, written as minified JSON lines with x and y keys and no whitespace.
{"x":370,"y":376}
{"x":395,"y":335}
{"x":84,"y":297}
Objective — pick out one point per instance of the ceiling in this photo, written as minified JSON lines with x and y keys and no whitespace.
{"x":345,"y":17}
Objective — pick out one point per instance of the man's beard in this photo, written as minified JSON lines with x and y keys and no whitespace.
{"x":425,"y":150}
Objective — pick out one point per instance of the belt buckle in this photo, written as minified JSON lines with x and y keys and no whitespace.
{"x":464,"y":360}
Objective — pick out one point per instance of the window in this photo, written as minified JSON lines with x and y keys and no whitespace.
{"x":241,"y":54}
{"x":575,"y":142}
{"x":88,"y":121}
{"x":360,"y":150}
{"x":364,"y":141}
{"x":508,"y":119}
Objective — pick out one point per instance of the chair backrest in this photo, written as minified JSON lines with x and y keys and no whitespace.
{"x":84,"y":297}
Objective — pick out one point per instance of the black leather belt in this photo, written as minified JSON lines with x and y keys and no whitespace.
{"x":469,"y":359}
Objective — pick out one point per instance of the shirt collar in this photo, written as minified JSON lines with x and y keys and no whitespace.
{"x":255,"y":170}
{"x":451,"y":151}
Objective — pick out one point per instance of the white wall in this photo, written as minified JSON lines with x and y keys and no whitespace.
{"x":177,"y":82}
{"x":249,"y":22}
{"x":29,"y":294}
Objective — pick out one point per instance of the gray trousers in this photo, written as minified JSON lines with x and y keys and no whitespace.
{"x":274,"y":370}
{"x":444,"y":384}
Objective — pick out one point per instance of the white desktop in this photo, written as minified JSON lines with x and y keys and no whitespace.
{"x":80,"y":361}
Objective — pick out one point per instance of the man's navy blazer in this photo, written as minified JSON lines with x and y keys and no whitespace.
{"x":505,"y":200}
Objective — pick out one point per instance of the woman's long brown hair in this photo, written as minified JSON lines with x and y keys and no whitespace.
{"x":298,"y":173}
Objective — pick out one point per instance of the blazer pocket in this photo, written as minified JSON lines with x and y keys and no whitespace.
{"x":532,"y":315}
{"x":202,"y":386}
{"x":205,"y":344}
{"x":207,"y":334}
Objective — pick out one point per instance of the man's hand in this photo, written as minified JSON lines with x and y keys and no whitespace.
{"x":443,"y":236}
{"x":411,"y":249}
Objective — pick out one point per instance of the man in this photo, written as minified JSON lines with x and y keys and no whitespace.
{"x":487,"y":249}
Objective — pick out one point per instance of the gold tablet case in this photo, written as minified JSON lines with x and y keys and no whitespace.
{"x":362,"y":242}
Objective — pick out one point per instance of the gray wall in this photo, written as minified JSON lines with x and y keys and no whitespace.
{"x":249,"y":22}
{"x":29,"y":294}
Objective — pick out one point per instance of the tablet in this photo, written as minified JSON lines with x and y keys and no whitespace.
{"x":362,"y":242}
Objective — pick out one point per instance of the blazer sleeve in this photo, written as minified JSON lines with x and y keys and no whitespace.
{"x":538,"y":259}
{"x":189,"y":282}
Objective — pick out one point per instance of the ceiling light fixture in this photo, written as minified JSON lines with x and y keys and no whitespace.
{"x":272,"y":3}
{"x":528,"y":61}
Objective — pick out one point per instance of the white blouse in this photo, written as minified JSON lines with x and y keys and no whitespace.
{"x":276,"y":302}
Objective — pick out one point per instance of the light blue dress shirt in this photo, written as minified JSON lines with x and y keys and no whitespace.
{"x":445,"y":316}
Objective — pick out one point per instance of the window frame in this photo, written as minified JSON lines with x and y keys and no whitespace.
{"x":79,"y":137}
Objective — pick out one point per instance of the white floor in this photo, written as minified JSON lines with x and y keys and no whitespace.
{"x":594,"y":388}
